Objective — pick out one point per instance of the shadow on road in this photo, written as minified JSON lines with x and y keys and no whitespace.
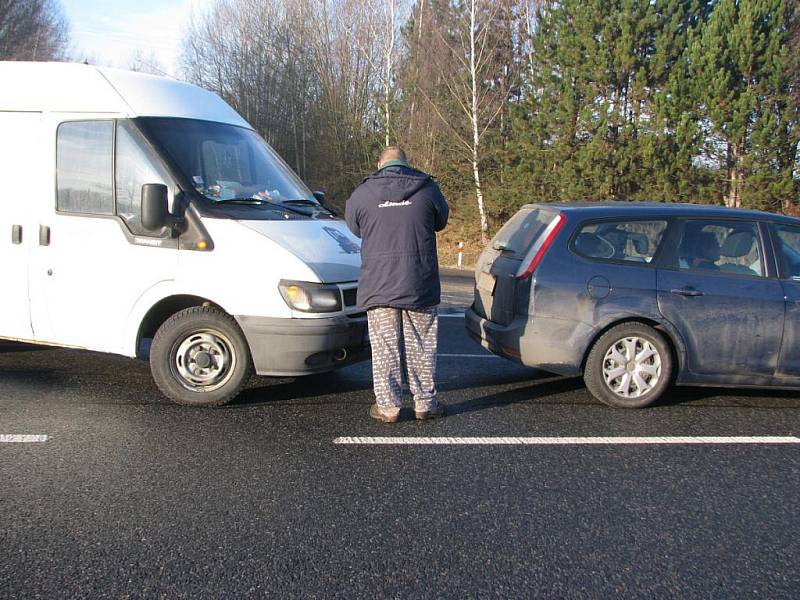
{"x":538,"y":390}
{"x":711,"y":397}
{"x":101,"y":378}
{"x":282,"y":390}
{"x":9,"y":347}
{"x":551,"y":391}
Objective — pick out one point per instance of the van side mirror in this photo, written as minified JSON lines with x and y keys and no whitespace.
{"x":155,"y":207}
{"x":320,"y":196}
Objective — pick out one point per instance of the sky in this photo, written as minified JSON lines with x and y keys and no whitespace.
{"x":111,"y":32}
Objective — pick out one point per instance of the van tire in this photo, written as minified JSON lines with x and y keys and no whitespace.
{"x":199,"y":357}
{"x":647,"y":360}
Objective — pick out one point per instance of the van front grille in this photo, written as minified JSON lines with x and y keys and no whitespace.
{"x":350,"y":296}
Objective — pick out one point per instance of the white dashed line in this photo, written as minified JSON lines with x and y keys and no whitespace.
{"x":550,"y":441}
{"x":21,"y":439}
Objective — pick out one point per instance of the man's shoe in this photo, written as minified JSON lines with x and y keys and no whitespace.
{"x":432,"y":413}
{"x":376,"y":413}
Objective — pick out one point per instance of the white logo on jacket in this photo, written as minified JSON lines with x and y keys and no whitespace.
{"x":389,"y":204}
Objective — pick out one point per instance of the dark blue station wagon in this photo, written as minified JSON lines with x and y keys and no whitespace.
{"x":636,"y":296}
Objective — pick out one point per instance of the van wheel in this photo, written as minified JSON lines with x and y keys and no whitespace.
{"x":629,"y":366}
{"x":200,"y":357}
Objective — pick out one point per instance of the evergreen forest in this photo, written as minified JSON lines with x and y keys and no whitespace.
{"x":505,"y":102}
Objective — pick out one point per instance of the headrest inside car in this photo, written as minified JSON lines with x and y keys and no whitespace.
{"x":738,"y":243}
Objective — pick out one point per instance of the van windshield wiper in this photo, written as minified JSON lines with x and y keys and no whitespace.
{"x":304,"y":201}
{"x":260,"y":201}
{"x":318,"y":205}
{"x":248,"y":200}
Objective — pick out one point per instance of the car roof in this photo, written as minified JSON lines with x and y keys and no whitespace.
{"x":668,"y":209}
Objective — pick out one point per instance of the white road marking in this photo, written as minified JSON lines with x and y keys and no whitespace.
{"x":548,"y":441}
{"x":6,"y":438}
{"x":469,"y":355}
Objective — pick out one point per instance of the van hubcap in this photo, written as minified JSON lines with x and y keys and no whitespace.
{"x":631,"y":367}
{"x":205,"y":360}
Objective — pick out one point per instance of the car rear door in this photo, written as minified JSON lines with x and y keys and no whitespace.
{"x":716,"y":290}
{"x":786,"y":241}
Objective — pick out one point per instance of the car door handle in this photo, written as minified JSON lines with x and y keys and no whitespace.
{"x":686,"y":292}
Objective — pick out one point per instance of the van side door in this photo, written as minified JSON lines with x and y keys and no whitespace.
{"x":99,"y":260}
{"x":21,"y":175}
{"x":717,"y":291}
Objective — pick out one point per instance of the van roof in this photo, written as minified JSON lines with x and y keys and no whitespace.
{"x":79,"y":88}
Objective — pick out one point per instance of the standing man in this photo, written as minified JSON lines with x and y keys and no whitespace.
{"x":396,"y":212}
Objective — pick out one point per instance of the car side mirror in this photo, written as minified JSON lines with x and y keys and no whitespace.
{"x":155,"y":207}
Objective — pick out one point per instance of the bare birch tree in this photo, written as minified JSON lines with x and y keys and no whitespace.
{"x":33,"y":30}
{"x":378,"y":40}
{"x":474,"y":81}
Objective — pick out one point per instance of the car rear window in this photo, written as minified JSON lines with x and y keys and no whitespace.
{"x":629,"y":241}
{"x":522,"y":230}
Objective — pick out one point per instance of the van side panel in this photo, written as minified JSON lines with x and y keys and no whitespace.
{"x":85,"y":282}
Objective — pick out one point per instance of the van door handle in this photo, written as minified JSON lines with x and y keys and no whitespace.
{"x":16,"y":234}
{"x":44,"y":235}
{"x":690,"y":292}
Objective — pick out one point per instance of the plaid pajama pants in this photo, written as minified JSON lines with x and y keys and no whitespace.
{"x":403,"y":342}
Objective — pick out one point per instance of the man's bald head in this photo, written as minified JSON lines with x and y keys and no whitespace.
{"x":392,"y":153}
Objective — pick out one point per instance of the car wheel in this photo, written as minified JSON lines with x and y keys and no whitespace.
{"x":629,"y":366}
{"x":200,"y":357}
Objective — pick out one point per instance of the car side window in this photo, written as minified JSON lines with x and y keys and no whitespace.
{"x":84,"y":167}
{"x":788,"y":238}
{"x":136,"y":166}
{"x":725,"y":246}
{"x":629,"y":241}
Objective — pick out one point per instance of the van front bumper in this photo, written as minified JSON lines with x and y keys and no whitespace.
{"x":554,"y":345}
{"x":292,"y":347}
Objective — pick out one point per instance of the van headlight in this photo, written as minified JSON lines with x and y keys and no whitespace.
{"x":311,"y":297}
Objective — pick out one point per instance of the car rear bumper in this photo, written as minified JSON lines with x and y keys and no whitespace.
{"x":555,"y":345}
{"x":292,"y":347}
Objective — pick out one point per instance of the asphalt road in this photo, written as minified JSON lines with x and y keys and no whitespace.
{"x":133,"y":497}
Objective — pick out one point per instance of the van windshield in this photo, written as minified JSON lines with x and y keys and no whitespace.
{"x":228,"y":164}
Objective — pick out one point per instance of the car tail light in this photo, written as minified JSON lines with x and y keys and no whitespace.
{"x":539,"y":249}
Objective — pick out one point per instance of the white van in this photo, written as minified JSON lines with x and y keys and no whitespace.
{"x":143,"y":216}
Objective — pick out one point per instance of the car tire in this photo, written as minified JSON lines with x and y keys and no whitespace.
{"x":629,"y":366}
{"x":199,"y":357}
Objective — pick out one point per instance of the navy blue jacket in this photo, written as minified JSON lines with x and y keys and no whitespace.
{"x":396,"y":212}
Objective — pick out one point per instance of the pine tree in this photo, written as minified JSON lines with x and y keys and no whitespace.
{"x":597,"y":109}
{"x":747,"y":76}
